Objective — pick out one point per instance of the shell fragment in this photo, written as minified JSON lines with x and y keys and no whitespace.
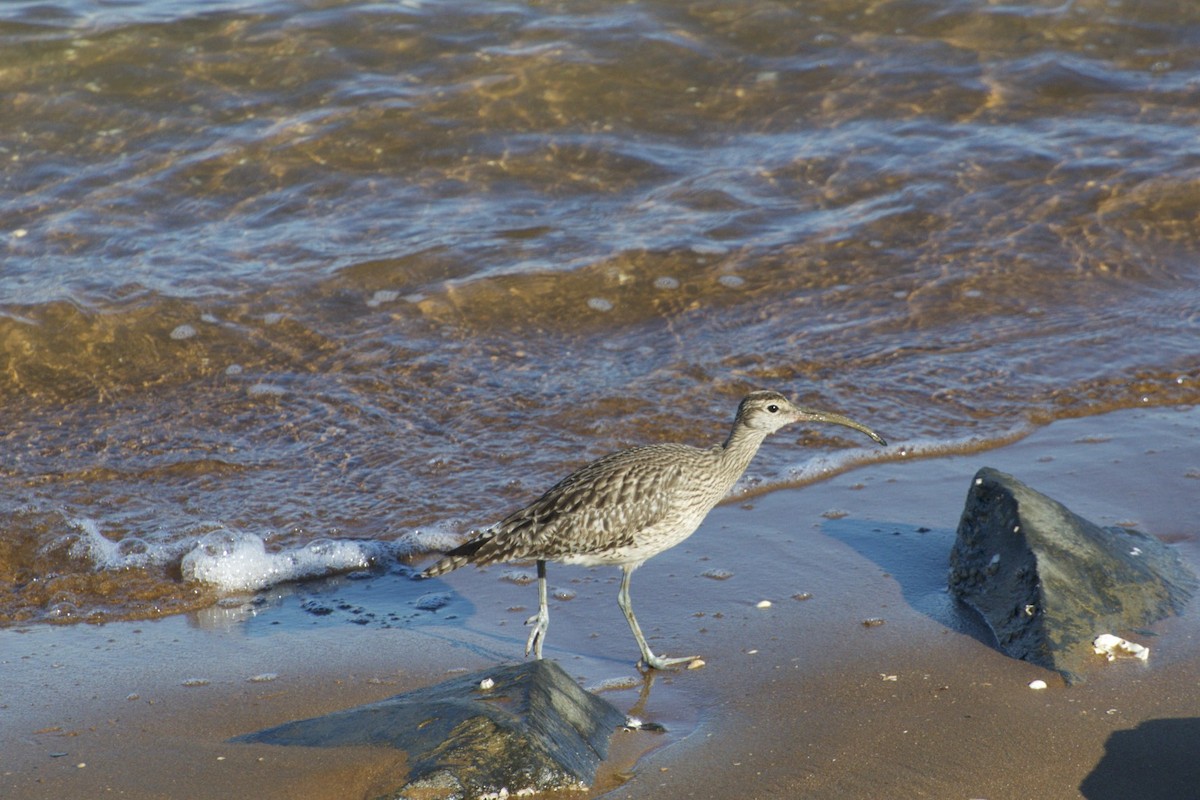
{"x":1111,"y":647}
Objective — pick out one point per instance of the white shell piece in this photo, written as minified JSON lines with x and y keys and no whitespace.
{"x":1110,"y":646}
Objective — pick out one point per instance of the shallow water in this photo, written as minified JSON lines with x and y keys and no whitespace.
{"x":298,"y":271}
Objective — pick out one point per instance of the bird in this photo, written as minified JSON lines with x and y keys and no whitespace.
{"x":630,"y":506}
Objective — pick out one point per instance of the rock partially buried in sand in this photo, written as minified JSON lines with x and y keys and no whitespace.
{"x":531,"y":729}
{"x":1048,"y":582}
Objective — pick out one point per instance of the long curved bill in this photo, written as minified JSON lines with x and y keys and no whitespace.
{"x":814,"y":415}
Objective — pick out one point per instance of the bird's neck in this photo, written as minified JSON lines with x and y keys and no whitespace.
{"x":740,"y":447}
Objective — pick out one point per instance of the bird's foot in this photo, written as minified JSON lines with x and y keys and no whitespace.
{"x":540,"y":622}
{"x":652,"y":661}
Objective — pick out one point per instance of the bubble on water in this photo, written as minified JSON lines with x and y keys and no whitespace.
{"x":182,"y":332}
{"x":274,"y":318}
{"x":63,"y":611}
{"x":219,"y":543}
{"x":731,"y":281}
{"x":63,"y":597}
{"x":132,"y":546}
{"x":563,"y":594}
{"x":383,"y":296}
{"x":321,"y":547}
{"x":209,"y":318}
{"x":265,"y":677}
{"x":599,"y":304}
{"x":266,"y":390}
{"x":666,"y":282}
{"x":234,"y":369}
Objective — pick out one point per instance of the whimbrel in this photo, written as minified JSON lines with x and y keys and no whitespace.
{"x":629,"y":506}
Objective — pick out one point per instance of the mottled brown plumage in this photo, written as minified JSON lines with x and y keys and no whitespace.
{"x":629,"y":506}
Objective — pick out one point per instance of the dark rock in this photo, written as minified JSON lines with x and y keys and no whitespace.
{"x":534,"y":729}
{"x":1048,"y":582}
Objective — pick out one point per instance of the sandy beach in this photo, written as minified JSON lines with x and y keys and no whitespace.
{"x":861,"y":678}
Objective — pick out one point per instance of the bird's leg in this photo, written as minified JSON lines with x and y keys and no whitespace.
{"x":541,"y":620}
{"x":626,"y":604}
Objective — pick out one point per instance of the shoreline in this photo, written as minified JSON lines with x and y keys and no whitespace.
{"x":872,"y":684}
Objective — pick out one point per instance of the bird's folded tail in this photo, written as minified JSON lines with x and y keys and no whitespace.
{"x":444,"y":565}
{"x":460,"y":556}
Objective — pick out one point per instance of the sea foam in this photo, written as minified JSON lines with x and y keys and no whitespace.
{"x":89,"y":544}
{"x":237,"y":561}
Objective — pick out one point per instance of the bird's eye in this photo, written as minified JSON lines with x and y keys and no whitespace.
{"x":774,"y":409}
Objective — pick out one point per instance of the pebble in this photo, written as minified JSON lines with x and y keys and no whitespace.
{"x":717,"y":574}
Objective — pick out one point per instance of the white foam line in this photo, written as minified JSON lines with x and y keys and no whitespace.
{"x":237,"y":561}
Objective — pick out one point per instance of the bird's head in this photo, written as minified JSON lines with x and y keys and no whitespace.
{"x":770,"y":411}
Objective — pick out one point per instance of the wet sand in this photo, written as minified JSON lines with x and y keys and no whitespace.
{"x":871,"y":684}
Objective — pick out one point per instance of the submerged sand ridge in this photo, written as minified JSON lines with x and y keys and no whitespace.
{"x":798,"y":698}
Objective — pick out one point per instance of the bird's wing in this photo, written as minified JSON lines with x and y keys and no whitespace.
{"x":600,"y":507}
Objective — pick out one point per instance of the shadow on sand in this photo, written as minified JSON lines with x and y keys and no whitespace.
{"x":1157,"y":760}
{"x":918,"y":559}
